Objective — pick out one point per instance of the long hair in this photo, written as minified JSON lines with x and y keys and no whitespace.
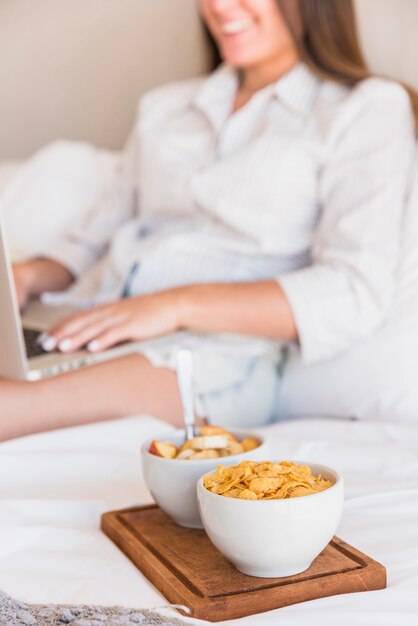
{"x":325,"y":34}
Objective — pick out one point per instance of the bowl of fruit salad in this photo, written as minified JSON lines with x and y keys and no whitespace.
{"x":172,"y":465}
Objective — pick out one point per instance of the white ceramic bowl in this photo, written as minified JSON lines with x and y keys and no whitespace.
{"x":172,"y":482}
{"x":273,"y":538}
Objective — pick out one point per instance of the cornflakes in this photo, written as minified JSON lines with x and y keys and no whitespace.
{"x":265,"y":481}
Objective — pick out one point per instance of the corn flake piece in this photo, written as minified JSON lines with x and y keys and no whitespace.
{"x":247,"y":494}
{"x":235,"y":492}
{"x":264,"y":485}
{"x":298,"y":491}
{"x":220,"y":489}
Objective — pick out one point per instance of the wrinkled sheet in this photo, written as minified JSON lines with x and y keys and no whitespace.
{"x":54,"y":487}
{"x":60,"y":183}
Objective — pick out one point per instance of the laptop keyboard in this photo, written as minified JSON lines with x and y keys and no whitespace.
{"x":32,"y":347}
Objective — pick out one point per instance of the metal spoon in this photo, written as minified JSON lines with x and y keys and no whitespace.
{"x":184,"y":367}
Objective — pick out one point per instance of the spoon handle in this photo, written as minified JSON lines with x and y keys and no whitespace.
{"x":185,"y":383}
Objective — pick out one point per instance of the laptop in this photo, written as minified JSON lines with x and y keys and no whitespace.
{"x":21,"y":357}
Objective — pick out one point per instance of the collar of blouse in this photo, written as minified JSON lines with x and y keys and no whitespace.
{"x":297,"y":90}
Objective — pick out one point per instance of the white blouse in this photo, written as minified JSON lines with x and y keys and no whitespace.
{"x":305,"y":184}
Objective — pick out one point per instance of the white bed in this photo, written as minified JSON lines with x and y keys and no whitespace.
{"x":55,"y":486}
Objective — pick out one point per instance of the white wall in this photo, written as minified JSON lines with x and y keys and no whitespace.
{"x":389,"y":31}
{"x":75,"y":68}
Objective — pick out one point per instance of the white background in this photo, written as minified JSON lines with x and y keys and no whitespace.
{"x":75,"y":68}
{"x":54,"y":487}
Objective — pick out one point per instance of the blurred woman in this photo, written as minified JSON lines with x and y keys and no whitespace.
{"x":255,"y":207}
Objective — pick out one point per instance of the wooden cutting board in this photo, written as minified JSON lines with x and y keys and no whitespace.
{"x":187,"y":569}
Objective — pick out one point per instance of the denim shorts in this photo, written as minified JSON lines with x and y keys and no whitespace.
{"x":250,"y":399}
{"x":237,"y":390}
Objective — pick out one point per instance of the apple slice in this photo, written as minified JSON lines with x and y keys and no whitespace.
{"x":204,"y":454}
{"x":210,"y":430}
{"x":213,"y":442}
{"x":163,"y":448}
{"x":250,"y":443}
{"x":183,"y":455}
{"x":187,"y":445}
{"x":234,"y":448}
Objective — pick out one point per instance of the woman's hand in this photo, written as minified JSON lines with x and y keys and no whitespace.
{"x":259,"y":308}
{"x":35,"y":276}
{"x":131,"y":319}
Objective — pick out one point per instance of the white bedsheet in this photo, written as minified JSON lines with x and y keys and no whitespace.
{"x":54,"y":486}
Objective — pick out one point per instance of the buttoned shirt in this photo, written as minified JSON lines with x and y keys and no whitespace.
{"x":305,"y":184}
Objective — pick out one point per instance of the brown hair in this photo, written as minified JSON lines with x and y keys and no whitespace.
{"x":325,"y":34}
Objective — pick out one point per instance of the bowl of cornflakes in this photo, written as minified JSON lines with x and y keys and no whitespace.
{"x":271,"y":519}
{"x":172,"y":465}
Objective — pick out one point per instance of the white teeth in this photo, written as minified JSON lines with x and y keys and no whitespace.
{"x":231,"y":28}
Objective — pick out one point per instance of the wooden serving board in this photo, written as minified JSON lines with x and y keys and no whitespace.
{"x":187,"y":569}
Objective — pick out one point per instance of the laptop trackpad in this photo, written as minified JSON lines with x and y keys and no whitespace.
{"x":40,"y":316}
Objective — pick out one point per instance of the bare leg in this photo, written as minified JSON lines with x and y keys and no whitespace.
{"x":118,"y":388}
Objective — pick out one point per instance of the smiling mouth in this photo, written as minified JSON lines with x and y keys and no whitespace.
{"x":235,"y":27}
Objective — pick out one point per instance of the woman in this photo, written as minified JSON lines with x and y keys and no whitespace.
{"x":264,"y":201}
